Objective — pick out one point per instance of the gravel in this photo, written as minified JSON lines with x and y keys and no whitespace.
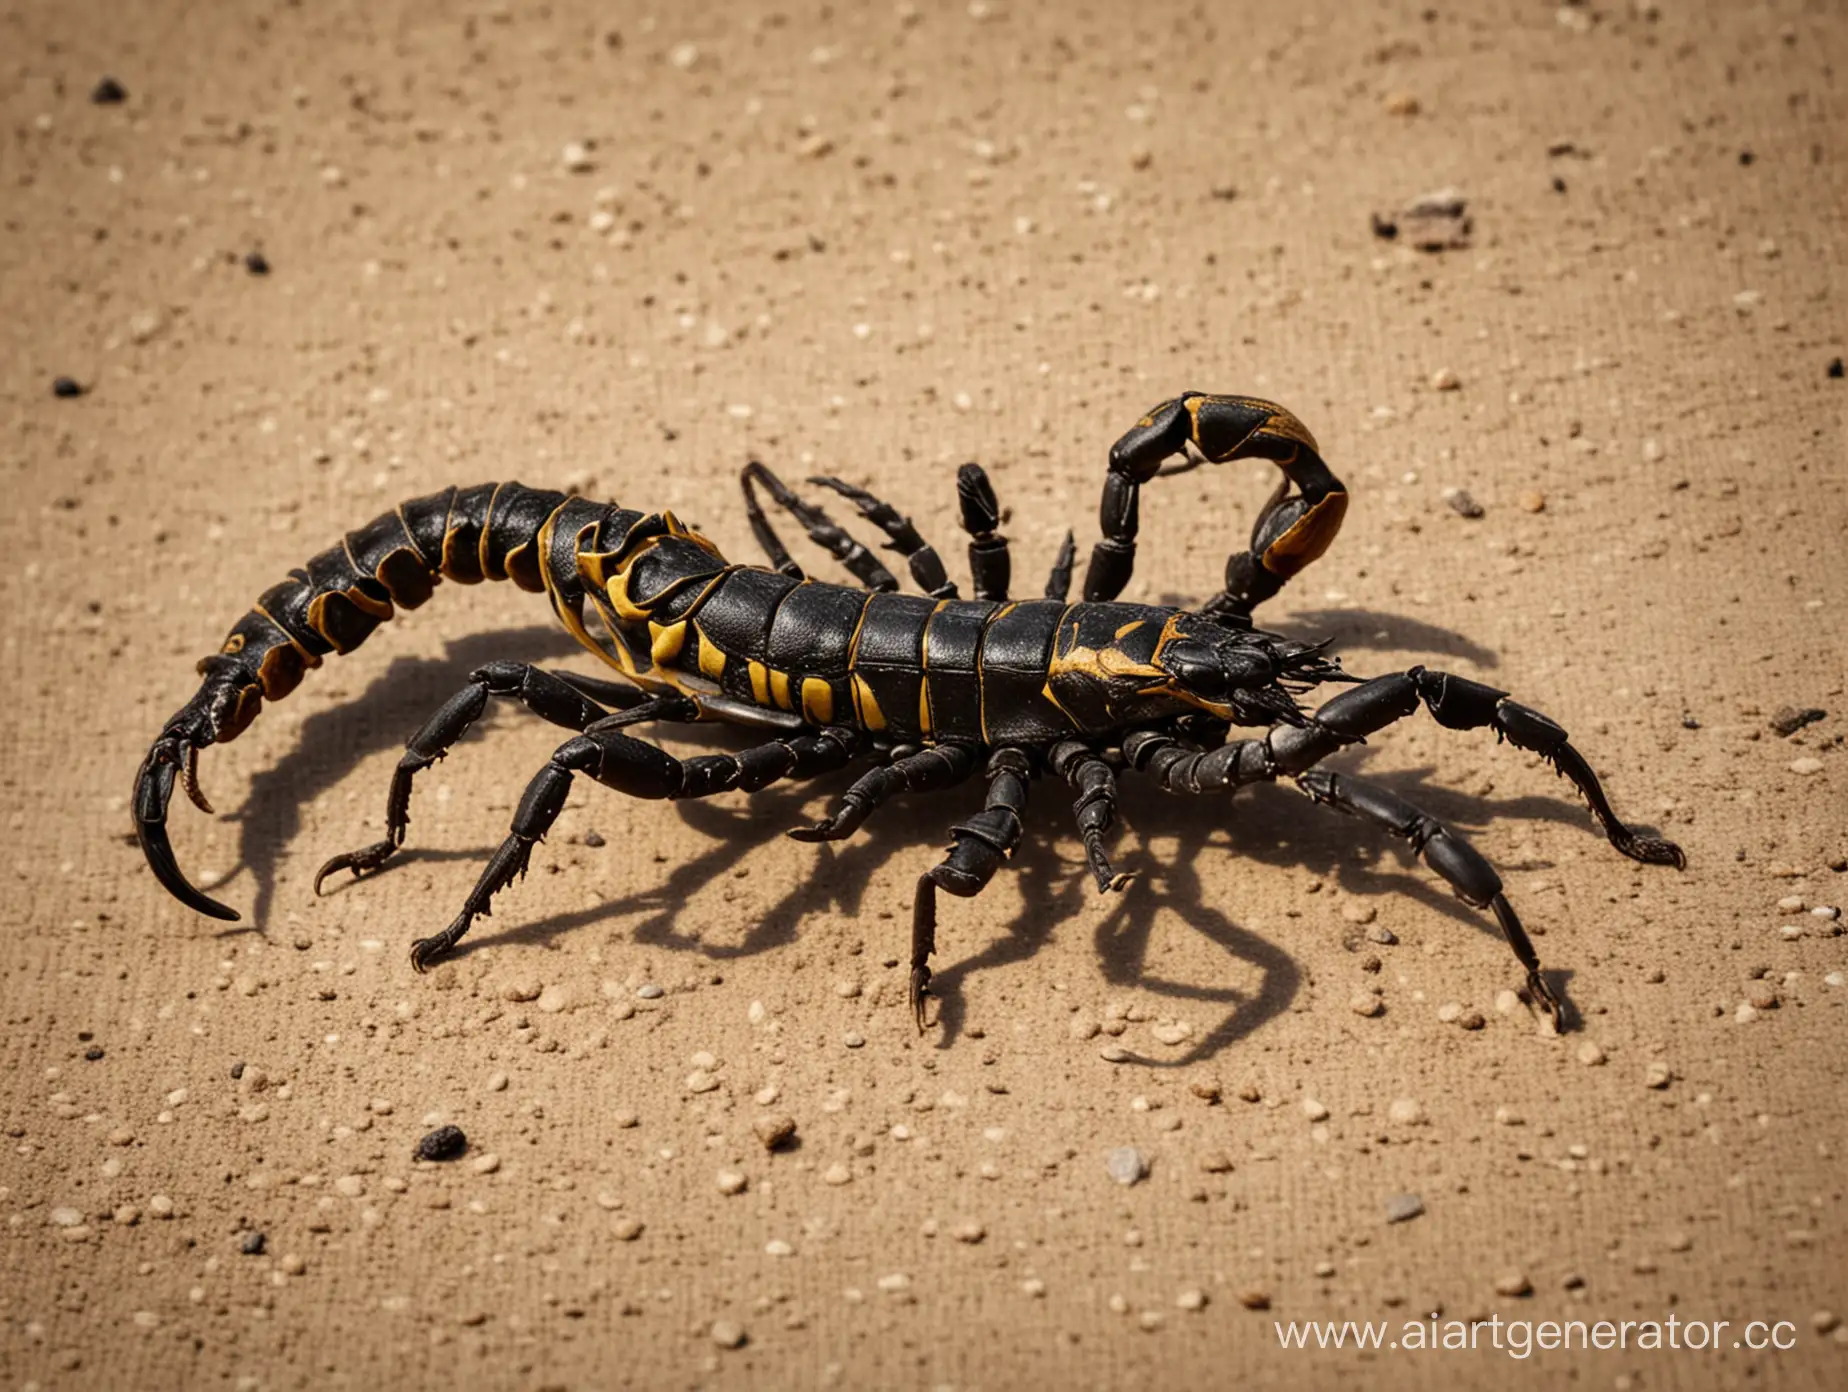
{"x":1126,"y":1165}
{"x":1402,"y":1208}
{"x":444,"y":1143}
{"x":1462,"y":503}
{"x":1790,"y":719}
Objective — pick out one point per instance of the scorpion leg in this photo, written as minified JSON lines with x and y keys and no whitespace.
{"x":982,"y":845}
{"x":940,"y":766}
{"x":1471,"y":877}
{"x":629,"y":765}
{"x":926,"y":565}
{"x":1292,"y":530}
{"x":1179,"y":768}
{"x":1460,"y":704}
{"x":981,"y":514}
{"x":1059,"y":582}
{"x":1095,"y":809}
{"x":821,"y":529}
{"x":545,"y":694}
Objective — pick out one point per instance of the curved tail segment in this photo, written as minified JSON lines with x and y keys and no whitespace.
{"x":331,"y":605}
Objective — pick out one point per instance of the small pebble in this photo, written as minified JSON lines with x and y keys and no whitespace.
{"x":626,"y":1229}
{"x":774,"y":1131}
{"x":1513,"y":1283}
{"x":970,"y":1233}
{"x":1658,"y":1075}
{"x":66,"y":387}
{"x":594,"y":840}
{"x":487,"y":1164}
{"x":1405,"y":1111}
{"x":257,"y":264}
{"x":444,"y":1143}
{"x":1314,"y":1110}
{"x":1445,"y":380}
{"x":699,"y":1080}
{"x":520,"y":991}
{"x":1384,"y":936}
{"x":1532,"y":500}
{"x":292,"y":1265}
{"x":252,"y":1244}
{"x":1401,"y":104}
{"x":108,"y":92}
{"x":1366,"y":1004}
{"x":576,"y":157}
{"x":1835,"y":369}
{"x":1590,"y":1054}
{"x":1254,"y":1297}
{"x":837,"y":1174}
{"x":649,"y":992}
{"x":1787,"y":720}
{"x":1191,"y":1300}
{"x":1805,"y":766}
{"x":1402,"y":1208}
{"x":727,"y":1334}
{"x":1463,"y":503}
{"x":731,"y":1182}
{"x":1125,"y":1165}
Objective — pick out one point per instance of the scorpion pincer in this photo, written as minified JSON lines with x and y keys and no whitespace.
{"x":930,"y":689}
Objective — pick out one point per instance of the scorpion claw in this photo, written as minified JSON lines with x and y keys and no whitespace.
{"x":1652,"y":850}
{"x":1544,"y":997}
{"x":360,"y":862}
{"x":153,"y":791}
{"x":920,"y":988}
{"x":818,"y":832}
{"x":189,"y":780}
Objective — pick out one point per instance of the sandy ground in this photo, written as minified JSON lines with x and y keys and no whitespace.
{"x":880,"y":241}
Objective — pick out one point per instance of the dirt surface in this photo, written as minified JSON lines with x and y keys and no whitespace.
{"x":879,"y":242}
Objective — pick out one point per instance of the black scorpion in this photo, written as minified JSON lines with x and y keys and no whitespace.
{"x":934,"y":687}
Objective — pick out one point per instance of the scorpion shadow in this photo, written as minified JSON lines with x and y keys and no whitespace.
{"x":1270,"y":825}
{"x":387,"y":713}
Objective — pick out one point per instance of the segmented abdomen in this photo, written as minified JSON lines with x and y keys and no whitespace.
{"x":487,"y":532}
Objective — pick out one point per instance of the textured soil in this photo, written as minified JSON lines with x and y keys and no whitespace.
{"x":880,"y":241}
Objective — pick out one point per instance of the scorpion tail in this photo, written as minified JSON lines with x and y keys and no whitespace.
{"x":488,"y":532}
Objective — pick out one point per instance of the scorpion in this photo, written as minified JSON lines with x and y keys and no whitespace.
{"x":931,"y":687}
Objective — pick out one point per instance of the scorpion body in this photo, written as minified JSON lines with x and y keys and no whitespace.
{"x":934,"y":686}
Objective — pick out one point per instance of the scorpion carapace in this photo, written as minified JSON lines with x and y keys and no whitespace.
{"x":932,"y":688}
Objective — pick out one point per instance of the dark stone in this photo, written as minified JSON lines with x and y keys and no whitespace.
{"x":108,"y":92}
{"x":1789,"y":719}
{"x":444,"y":1143}
{"x":253,"y":1244}
{"x":66,"y":387}
{"x":257,"y":264}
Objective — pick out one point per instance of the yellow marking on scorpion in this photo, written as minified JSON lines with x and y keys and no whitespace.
{"x":711,"y":656}
{"x":1313,"y":533}
{"x":867,"y":705}
{"x":760,"y":683}
{"x":817,"y":701}
{"x":666,"y":641}
{"x":779,"y":690}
